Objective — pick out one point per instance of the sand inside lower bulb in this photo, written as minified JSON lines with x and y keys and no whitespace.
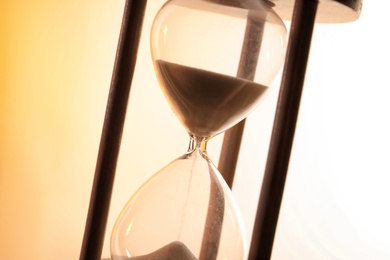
{"x":173,"y":251}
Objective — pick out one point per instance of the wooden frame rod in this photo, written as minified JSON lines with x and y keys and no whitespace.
{"x":302,"y":26}
{"x":112,"y":129}
{"x":250,"y":52}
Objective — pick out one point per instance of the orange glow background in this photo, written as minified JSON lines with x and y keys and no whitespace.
{"x":56,"y":59}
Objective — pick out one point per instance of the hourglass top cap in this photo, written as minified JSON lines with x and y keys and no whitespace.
{"x":329,"y":11}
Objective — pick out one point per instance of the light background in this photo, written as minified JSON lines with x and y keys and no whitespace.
{"x":56,"y":60}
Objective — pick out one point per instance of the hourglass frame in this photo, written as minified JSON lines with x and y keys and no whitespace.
{"x":304,"y":16}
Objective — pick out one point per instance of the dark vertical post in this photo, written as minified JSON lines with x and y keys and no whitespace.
{"x":246,"y":70}
{"x":112,"y":130}
{"x":284,"y":128}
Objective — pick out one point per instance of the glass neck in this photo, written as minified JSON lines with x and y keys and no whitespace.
{"x":198,"y":144}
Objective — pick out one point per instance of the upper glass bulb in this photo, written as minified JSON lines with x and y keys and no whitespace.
{"x":215,"y":59}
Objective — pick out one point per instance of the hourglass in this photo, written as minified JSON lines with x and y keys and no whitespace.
{"x":215,"y":61}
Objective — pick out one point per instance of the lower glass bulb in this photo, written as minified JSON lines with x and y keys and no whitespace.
{"x":184,"y":211}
